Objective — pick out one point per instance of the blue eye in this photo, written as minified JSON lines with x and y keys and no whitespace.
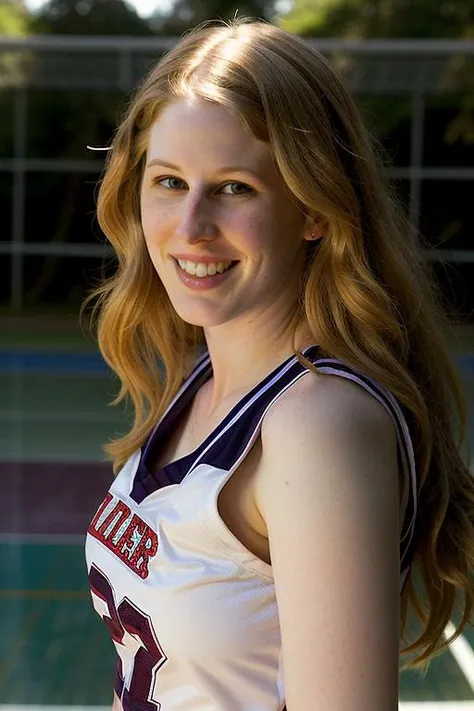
{"x":170,"y":187}
{"x":178,"y":184}
{"x":246,"y":190}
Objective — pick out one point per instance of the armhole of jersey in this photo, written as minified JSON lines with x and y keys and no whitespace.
{"x":406,"y":457}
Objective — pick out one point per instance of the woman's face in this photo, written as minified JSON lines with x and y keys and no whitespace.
{"x":211,"y":197}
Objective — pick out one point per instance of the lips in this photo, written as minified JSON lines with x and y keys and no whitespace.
{"x":204,"y":269}
{"x":205,"y":258}
{"x":203,"y":282}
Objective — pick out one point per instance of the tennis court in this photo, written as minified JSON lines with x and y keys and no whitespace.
{"x":54,"y":651}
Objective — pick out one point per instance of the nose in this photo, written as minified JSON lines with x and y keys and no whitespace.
{"x":197,"y":221}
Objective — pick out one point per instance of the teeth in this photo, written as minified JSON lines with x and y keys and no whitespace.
{"x":200,"y":269}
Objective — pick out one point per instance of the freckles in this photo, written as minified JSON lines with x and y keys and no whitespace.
{"x":255,"y":231}
{"x":146,"y":213}
{"x":147,"y":223}
{"x":153,"y":218}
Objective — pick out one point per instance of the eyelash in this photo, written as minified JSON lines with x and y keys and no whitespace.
{"x":159,"y":181}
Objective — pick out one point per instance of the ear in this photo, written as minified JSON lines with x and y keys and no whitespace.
{"x":315,"y":226}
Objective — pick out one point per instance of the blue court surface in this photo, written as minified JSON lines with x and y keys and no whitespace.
{"x":54,"y":651}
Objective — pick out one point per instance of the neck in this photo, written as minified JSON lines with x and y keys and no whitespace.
{"x":241,"y":357}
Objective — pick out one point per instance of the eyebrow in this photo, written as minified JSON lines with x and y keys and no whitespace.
{"x":225,"y":169}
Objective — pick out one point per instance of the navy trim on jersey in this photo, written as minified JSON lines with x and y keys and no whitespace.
{"x":193,"y":380}
{"x":119,"y":682}
{"x":224,"y":453}
{"x":146,"y":482}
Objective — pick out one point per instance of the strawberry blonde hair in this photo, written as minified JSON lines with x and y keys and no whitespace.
{"x":367,"y":295}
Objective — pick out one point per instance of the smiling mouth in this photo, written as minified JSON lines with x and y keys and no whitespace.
{"x":202,"y":270}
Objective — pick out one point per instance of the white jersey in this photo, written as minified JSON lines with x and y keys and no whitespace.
{"x":191,"y":611}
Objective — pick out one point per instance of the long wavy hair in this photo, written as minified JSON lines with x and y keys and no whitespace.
{"x":367,"y":294}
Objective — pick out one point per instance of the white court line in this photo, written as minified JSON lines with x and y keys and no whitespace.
{"x":463,"y":654}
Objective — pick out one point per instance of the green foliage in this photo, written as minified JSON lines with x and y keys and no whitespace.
{"x":89,"y":17}
{"x":13,"y":18}
{"x":381,"y":18}
{"x":365,"y":19}
{"x":188,"y":13}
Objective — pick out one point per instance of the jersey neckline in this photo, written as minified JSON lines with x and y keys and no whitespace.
{"x":191,"y":385}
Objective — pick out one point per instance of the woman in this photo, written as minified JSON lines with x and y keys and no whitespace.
{"x":292,"y":463}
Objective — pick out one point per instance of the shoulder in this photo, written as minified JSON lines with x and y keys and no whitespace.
{"x":324,"y":436}
{"x":328,"y":405}
{"x":325,"y":431}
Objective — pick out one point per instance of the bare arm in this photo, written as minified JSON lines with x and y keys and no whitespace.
{"x":329,"y":496}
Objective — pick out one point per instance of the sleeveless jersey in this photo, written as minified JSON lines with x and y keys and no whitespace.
{"x":191,"y":611}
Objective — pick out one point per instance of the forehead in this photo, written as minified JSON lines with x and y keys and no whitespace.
{"x":185,"y":133}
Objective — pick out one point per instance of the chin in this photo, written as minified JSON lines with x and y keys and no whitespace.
{"x":201,"y":317}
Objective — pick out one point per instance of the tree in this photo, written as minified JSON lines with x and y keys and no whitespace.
{"x":363,"y":19}
{"x":14,"y":18}
{"x":89,"y":17}
{"x":188,"y":13}
{"x":381,"y":18}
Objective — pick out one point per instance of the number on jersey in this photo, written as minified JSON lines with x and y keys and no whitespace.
{"x":126,"y":617}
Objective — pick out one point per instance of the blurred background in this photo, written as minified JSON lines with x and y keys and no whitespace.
{"x":67,"y":68}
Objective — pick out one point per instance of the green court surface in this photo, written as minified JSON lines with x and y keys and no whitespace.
{"x":54,"y":650}
{"x":57,"y":416}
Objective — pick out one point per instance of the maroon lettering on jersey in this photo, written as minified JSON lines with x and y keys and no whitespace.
{"x":125,"y":534}
{"x":139,"y":543}
{"x":101,"y":509}
{"x":113,"y":523}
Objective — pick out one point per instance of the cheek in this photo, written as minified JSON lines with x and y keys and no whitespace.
{"x":153,"y":222}
{"x":265,"y":236}
{"x":152,"y":236}
{"x":146,"y":216}
{"x":255,"y":232}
